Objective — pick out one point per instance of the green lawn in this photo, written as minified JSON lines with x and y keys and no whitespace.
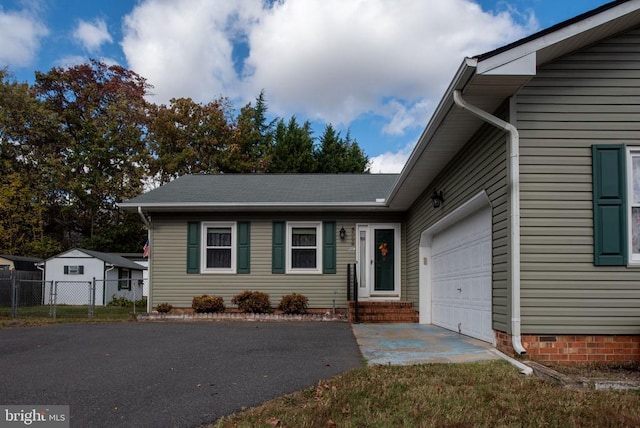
{"x":487,"y":394}
{"x":38,"y":315}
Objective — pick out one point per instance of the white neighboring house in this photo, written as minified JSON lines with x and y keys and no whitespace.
{"x":74,"y":271}
{"x":145,"y":276}
{"x":143,"y":261}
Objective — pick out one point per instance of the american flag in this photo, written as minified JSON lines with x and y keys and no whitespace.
{"x":145,"y":249}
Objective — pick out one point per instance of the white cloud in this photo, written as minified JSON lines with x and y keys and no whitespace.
{"x":184,"y":47}
{"x":73,"y":60}
{"x":328,"y":60}
{"x":92,"y":35}
{"x":20,"y":34}
{"x":391,"y":162}
{"x":403,"y":116}
{"x":335,"y":60}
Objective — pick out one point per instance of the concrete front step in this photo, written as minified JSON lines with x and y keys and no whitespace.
{"x":383,"y":312}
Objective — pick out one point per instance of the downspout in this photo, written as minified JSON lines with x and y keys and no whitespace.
{"x":108,"y":268}
{"x":148,"y":226}
{"x":40,"y":266}
{"x":514,"y":184}
{"x":144,"y":219}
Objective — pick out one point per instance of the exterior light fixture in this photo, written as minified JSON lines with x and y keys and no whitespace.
{"x":437,"y":199}
{"x":343,"y":234}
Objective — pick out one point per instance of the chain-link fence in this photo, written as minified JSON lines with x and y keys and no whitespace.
{"x":123,"y":293}
{"x":28,"y":298}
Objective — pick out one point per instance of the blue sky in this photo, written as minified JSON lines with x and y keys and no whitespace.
{"x":376,"y":67}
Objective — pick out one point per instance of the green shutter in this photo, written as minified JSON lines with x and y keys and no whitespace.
{"x":609,"y":205}
{"x":329,"y":247}
{"x":193,"y":247}
{"x":244,"y":247}
{"x":278,"y":248}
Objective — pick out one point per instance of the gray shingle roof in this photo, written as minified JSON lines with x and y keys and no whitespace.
{"x":269,"y":189}
{"x":20,"y":258}
{"x":21,"y":262}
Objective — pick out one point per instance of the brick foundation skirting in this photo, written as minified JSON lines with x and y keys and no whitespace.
{"x":572,"y":349}
{"x":238,"y":316}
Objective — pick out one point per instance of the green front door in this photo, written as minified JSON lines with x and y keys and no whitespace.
{"x":384,"y":265}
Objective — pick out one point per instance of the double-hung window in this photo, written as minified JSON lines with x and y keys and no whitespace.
{"x":633,"y":198}
{"x":124,"y":279}
{"x":304,"y":247}
{"x":219,"y":247}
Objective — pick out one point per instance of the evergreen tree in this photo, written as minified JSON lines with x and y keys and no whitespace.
{"x":253,"y":139}
{"x":339,"y":155}
{"x":293,"y":148}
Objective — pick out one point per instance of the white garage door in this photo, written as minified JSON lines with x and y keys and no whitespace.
{"x":461,"y":276}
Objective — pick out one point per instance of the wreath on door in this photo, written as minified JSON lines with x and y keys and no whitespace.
{"x":384,"y":250}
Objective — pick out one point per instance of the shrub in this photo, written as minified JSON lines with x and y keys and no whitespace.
{"x":294,"y":304}
{"x":254,"y":302}
{"x":142,"y":303}
{"x":123,"y":302}
{"x":164,"y":308}
{"x":208,"y":304}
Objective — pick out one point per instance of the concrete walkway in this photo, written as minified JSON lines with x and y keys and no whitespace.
{"x":404,"y":344}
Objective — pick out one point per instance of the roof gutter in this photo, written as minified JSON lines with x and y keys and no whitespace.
{"x":514,"y":184}
{"x":254,"y":206}
{"x":147,"y":224}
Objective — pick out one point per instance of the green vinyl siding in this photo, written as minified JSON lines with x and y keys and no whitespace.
{"x":172,"y":284}
{"x":591,"y":97}
{"x":480,"y":165}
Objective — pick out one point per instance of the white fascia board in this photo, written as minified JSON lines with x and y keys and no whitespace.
{"x":193,"y":206}
{"x":557,"y":36}
{"x":462,"y":76}
{"x":523,"y":66}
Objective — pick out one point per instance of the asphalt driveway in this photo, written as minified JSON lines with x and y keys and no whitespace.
{"x":168,"y":374}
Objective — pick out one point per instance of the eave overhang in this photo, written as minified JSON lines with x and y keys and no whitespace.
{"x":489,"y":80}
{"x":257,"y":207}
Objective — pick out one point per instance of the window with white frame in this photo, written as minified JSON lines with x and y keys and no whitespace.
{"x":124,"y":279}
{"x":304,"y":247}
{"x":219,"y":247}
{"x":633,"y":191}
{"x":74,"y":270}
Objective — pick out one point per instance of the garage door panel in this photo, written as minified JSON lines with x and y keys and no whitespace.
{"x":461,"y":276}
{"x":446,"y":313}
